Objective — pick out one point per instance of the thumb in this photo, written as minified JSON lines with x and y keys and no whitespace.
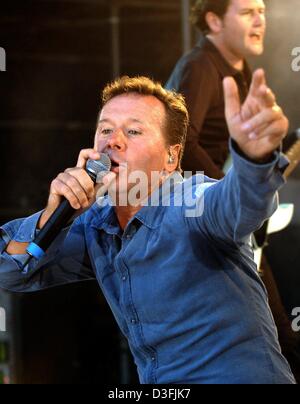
{"x":232,"y":98}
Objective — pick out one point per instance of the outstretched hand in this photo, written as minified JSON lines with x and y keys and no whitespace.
{"x":259,"y":125}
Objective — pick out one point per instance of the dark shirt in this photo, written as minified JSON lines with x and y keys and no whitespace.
{"x":199,"y":77}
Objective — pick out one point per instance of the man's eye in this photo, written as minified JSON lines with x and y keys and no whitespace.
{"x":134,"y":132}
{"x":106,"y":131}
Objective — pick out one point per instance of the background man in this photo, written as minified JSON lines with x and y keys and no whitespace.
{"x":232,"y":31}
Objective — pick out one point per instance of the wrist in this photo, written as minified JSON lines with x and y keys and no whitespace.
{"x":261,"y":160}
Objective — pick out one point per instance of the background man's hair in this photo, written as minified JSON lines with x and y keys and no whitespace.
{"x":202,"y":7}
{"x":177,"y":118}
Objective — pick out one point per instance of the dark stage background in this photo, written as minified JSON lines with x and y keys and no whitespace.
{"x":60,"y":54}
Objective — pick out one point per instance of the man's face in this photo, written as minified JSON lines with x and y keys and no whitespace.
{"x":131,"y":131}
{"x":244,"y":28}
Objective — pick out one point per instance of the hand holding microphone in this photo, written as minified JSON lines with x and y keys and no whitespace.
{"x":72,"y":192}
{"x":76,"y":185}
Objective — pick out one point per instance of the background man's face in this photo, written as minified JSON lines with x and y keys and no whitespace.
{"x":244,"y":27}
{"x":131,"y":131}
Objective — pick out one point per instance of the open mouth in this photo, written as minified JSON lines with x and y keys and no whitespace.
{"x":115,"y":166}
{"x":257,"y":37}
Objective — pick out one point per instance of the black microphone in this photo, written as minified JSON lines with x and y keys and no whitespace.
{"x":62,"y":215}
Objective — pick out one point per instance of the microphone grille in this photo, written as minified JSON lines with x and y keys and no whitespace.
{"x":95,"y":167}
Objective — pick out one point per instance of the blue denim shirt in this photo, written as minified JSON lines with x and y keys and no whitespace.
{"x":183,"y":288}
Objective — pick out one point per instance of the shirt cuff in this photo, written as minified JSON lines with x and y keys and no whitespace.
{"x":28,"y":229}
{"x":244,"y":165}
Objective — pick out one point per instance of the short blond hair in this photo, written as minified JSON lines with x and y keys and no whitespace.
{"x":177,"y":118}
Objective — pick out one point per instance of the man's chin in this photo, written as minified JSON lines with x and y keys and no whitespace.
{"x":257,"y":50}
{"x":128,"y":194}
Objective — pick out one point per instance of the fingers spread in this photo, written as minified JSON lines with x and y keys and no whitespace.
{"x":267,"y":97}
{"x":249,"y":109}
{"x":264,"y":118}
{"x":232,"y":99}
{"x":258,"y":80}
{"x":276,"y":131}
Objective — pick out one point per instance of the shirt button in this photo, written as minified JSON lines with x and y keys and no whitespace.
{"x":153,"y":358}
{"x":133,"y":321}
{"x":124,"y":278}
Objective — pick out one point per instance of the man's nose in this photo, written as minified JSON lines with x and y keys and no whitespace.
{"x":259,"y":19}
{"x":117,"y":140}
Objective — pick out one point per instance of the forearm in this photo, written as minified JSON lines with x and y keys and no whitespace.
{"x":20,"y":248}
{"x":55,"y":268}
{"x":14,"y":239}
{"x":247,"y":196}
{"x":15,"y":247}
{"x":17,"y":235}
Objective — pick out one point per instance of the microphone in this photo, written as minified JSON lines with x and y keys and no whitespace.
{"x":96,"y":169}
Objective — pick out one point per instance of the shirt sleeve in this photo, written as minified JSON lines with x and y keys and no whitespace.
{"x":194,"y":81}
{"x":66,"y":260}
{"x":236,"y":206}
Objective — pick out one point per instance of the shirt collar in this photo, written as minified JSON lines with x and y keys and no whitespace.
{"x":104,"y":216}
{"x":151,"y":215}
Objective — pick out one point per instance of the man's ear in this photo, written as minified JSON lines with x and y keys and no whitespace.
{"x":214,"y":22}
{"x":173,"y":158}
